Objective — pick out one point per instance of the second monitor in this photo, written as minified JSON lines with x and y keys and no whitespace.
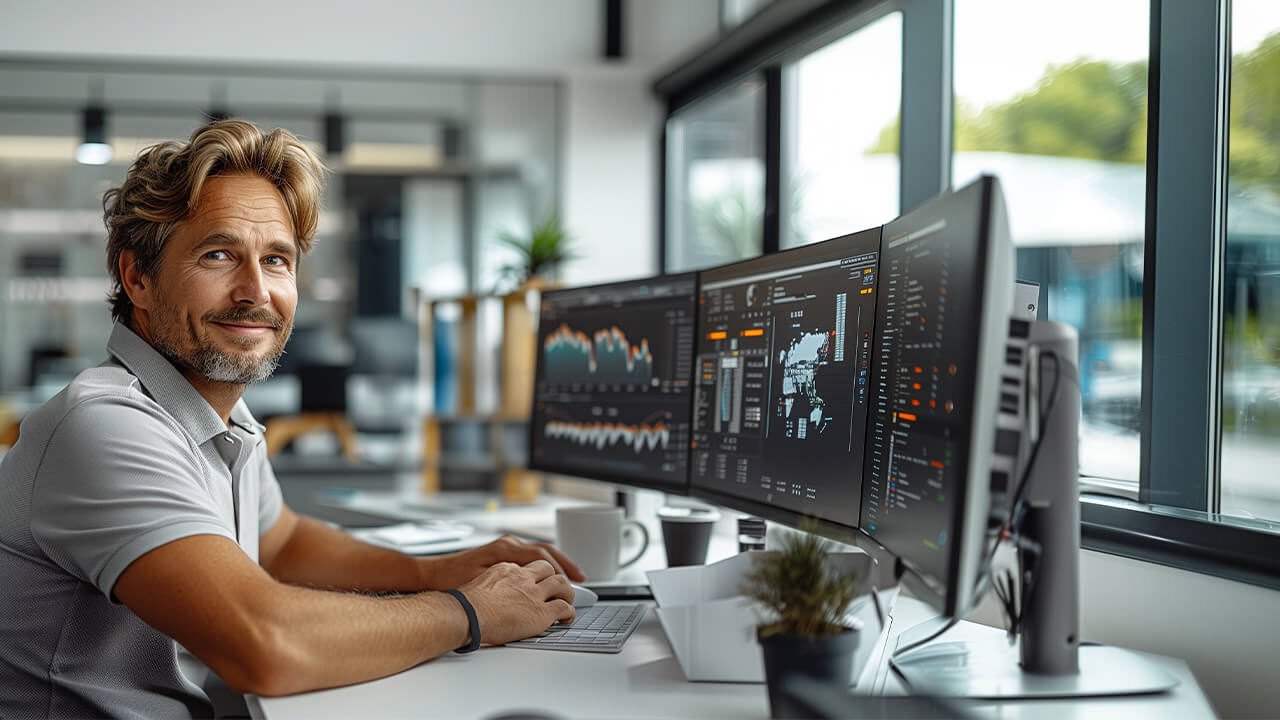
{"x":781,"y":386}
{"x":611,"y":392}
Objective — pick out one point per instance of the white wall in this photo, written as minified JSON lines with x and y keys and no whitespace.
{"x":610,"y":172}
{"x":1228,"y":632}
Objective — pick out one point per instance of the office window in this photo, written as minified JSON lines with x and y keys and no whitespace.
{"x":1054,"y":103}
{"x":843,"y":173}
{"x":1251,"y":300}
{"x":715,"y":178}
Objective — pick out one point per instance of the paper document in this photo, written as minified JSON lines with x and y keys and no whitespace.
{"x":423,"y":537}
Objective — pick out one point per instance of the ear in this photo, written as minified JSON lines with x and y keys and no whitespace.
{"x":137,"y":286}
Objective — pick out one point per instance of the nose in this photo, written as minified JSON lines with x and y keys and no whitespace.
{"x":250,"y":287}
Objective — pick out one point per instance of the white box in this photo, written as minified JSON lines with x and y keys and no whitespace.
{"x":712,"y":627}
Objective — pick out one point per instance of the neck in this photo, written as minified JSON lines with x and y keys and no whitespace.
{"x":220,"y":396}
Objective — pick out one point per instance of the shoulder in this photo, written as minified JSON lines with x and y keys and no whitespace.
{"x":102,"y":403}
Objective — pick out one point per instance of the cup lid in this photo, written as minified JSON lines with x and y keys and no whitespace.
{"x":681,"y":513}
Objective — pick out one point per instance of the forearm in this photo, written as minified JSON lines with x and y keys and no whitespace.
{"x":324,"y":639}
{"x":319,"y":556}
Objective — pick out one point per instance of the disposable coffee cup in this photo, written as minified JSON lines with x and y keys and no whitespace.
{"x":686,"y":534}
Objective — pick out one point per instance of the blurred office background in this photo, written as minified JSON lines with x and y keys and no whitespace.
{"x":444,"y":124}
{"x":713,"y":130}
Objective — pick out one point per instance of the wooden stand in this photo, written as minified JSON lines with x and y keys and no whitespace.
{"x":284,"y":429}
{"x":511,"y":374}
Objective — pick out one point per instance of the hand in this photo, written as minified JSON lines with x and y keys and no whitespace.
{"x":452,"y":571}
{"x":514,"y":602}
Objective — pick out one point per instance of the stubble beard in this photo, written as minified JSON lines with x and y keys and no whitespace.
{"x":181,"y":344}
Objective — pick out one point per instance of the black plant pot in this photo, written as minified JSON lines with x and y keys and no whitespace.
{"x":825,"y":658}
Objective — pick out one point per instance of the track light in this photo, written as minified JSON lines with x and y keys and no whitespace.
{"x":94,"y":149}
{"x":335,"y":140}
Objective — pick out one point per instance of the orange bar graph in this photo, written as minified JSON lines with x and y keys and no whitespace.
{"x":717,"y":335}
{"x":906,"y":416}
{"x":754,"y":332}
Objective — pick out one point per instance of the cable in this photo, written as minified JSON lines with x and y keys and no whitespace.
{"x":1044,"y":430}
{"x":1013,"y":522}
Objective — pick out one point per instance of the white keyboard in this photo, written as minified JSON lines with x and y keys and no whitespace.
{"x":599,"y":628}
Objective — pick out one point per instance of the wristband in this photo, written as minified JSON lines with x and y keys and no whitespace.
{"x":472,"y":621}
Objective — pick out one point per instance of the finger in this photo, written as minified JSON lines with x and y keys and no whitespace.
{"x":540,"y":550}
{"x":567,"y":566}
{"x":557,"y":586}
{"x":541,"y":570}
{"x":562,"y":611}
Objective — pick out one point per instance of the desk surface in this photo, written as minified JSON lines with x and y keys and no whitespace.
{"x":645,"y":680}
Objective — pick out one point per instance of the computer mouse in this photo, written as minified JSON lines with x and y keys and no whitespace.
{"x":582,"y":597}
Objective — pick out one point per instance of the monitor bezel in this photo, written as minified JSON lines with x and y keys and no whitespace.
{"x":830,"y":529}
{"x":612,"y":479}
{"x":957,"y":593}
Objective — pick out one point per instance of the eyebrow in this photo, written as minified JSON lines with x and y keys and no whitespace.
{"x":282,"y":247}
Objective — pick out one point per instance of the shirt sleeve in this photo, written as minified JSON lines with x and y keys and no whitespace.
{"x":270,"y":499}
{"x":119,"y":479}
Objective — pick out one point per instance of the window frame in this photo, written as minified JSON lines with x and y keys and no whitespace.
{"x":1175,"y":520}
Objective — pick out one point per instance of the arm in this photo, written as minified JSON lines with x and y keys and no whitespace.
{"x":302,"y":551}
{"x":268,"y":638}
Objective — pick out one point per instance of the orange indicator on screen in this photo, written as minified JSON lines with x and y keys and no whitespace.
{"x":917,"y":369}
{"x":754,"y":332}
{"x":915,"y":403}
{"x":906,"y":416}
{"x":915,"y":386}
{"x":717,"y":335}
{"x":936,"y":464}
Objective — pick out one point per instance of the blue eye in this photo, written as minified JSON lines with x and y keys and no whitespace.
{"x":216,"y":255}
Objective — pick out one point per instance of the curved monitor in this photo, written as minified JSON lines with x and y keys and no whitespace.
{"x":946,"y":290}
{"x":611,"y":386}
{"x":781,"y":387}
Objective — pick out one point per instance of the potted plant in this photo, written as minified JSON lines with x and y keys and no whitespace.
{"x":545,"y":246}
{"x":805,"y":603}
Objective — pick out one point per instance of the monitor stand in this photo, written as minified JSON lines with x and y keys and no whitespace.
{"x":1048,"y":660}
{"x":992,"y":669}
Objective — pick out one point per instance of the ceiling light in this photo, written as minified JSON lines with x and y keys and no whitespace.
{"x":335,"y":140}
{"x":94,"y":150}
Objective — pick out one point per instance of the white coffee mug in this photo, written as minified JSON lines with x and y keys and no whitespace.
{"x":591,"y":535}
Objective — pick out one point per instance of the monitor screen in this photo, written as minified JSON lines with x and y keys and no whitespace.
{"x":780,"y":394}
{"x":612,"y":385}
{"x":945,"y":290}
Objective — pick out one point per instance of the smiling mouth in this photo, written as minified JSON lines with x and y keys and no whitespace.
{"x":249,"y":330}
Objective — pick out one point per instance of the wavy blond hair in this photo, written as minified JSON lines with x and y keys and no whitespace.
{"x":164,"y":183}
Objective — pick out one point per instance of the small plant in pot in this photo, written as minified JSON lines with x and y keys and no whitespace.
{"x":541,"y":251}
{"x":804,"y":631}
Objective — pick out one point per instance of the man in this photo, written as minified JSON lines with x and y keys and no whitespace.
{"x":140,"y":523}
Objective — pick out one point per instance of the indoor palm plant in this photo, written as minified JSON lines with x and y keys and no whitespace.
{"x":541,"y":250}
{"x":805,"y":602}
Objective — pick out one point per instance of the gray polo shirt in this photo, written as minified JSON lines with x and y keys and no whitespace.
{"x":127,"y":458}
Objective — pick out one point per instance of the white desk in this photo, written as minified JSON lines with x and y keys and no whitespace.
{"x":645,"y":681}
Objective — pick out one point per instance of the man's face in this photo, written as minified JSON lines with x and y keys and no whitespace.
{"x":224,"y":297}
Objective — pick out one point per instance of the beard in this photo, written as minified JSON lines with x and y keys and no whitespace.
{"x":185,"y":347}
